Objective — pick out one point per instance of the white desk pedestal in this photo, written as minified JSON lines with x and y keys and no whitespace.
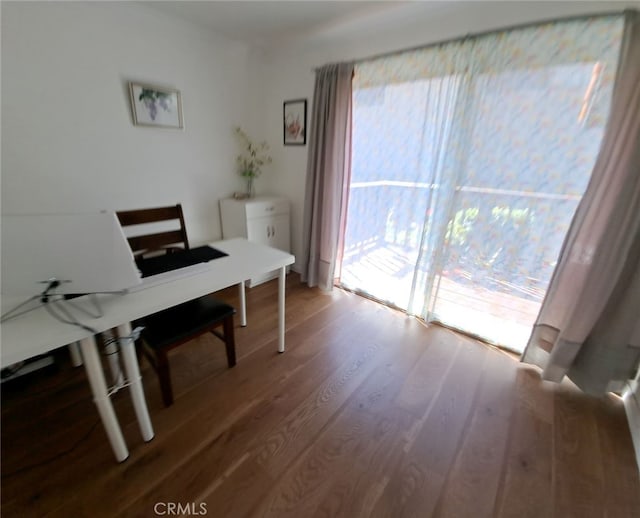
{"x":101,"y":397}
{"x":243,"y":304}
{"x":100,"y":391}
{"x":281,"y":291}
{"x":76,"y":356}
{"x":132,"y":370}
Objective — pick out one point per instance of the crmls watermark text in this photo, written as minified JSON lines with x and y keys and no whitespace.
{"x":179,"y":509}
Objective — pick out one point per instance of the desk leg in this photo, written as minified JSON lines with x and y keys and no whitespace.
{"x":113,"y":358}
{"x":76,"y":356}
{"x":243,"y":305}
{"x":281,"y":286}
{"x":101,"y":398}
{"x":127,"y":349}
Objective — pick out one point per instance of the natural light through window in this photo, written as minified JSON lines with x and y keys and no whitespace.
{"x":465,"y":177}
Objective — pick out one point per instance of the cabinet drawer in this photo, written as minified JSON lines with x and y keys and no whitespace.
{"x":260,"y":209}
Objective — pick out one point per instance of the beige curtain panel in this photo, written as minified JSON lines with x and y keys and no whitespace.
{"x":589,"y":324}
{"x":327,"y":174}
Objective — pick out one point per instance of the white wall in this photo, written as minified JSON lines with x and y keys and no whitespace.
{"x":290,"y":74}
{"x":68,"y":141}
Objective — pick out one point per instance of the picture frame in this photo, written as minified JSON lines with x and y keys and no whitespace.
{"x":155,"y":106}
{"x":295,"y":122}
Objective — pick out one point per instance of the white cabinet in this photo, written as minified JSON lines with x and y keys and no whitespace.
{"x":262,"y":220}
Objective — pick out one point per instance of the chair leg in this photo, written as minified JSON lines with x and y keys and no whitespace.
{"x":164,"y":376}
{"x":229,"y":341}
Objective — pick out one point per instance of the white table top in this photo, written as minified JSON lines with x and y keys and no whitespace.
{"x":37,"y":332}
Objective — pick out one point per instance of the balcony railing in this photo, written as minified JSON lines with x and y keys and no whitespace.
{"x":503,"y":240}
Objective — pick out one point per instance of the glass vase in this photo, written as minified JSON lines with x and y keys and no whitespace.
{"x":249,"y":191}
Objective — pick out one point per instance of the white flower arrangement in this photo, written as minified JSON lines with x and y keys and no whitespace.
{"x":253,"y":158}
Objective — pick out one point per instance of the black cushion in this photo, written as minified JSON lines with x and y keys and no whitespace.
{"x":180,"y":322}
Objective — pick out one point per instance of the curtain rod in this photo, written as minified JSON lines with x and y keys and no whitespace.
{"x":474,"y":35}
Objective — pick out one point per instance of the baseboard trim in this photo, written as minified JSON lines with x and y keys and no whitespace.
{"x":632,"y":408}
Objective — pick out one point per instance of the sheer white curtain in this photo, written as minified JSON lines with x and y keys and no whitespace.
{"x":589,"y":324}
{"x":468,"y":161}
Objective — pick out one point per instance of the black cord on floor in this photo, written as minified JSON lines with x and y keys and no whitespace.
{"x":28,"y":393}
{"x":55,"y":457}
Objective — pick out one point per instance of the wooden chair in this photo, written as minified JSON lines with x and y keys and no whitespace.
{"x":175,"y":326}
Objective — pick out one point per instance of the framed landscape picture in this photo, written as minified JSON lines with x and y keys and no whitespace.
{"x":155,"y":106}
{"x":295,"y":122}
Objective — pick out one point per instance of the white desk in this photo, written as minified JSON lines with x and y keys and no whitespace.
{"x":37,"y":332}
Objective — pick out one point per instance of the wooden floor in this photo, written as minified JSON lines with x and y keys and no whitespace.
{"x":368,"y":413}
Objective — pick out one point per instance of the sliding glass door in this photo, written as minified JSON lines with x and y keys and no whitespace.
{"x":466,"y":173}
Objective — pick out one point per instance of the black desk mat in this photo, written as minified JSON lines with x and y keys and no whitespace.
{"x":177,"y":259}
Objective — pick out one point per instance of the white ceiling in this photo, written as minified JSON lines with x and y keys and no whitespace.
{"x":268,"y":22}
{"x":280,"y":23}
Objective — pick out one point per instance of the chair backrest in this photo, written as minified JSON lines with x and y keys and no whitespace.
{"x":158,"y":241}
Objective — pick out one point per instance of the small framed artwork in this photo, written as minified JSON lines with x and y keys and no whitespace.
{"x":295,"y":122}
{"x":155,"y":106}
